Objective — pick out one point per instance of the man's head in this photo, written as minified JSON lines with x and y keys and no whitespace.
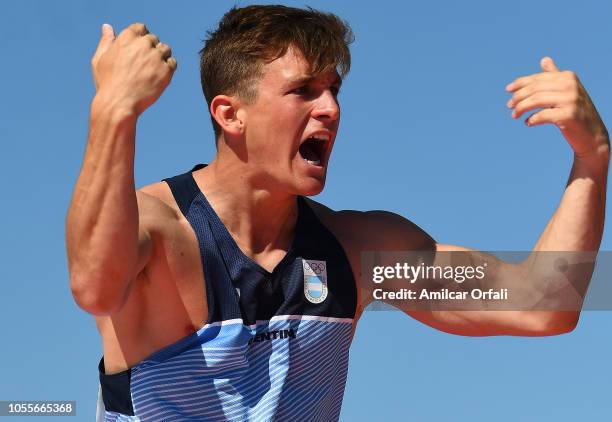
{"x":271,"y":73}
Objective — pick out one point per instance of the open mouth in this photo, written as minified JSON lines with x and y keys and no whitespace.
{"x":313,"y":149}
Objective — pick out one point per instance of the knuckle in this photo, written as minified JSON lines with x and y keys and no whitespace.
{"x":518,"y":96}
{"x":139,"y":28}
{"x":144,"y":43}
{"x":568,"y":85}
{"x":151,"y":40}
{"x":527,"y":91}
{"x":126,"y":34}
{"x":571,"y":77}
{"x":534,"y":98}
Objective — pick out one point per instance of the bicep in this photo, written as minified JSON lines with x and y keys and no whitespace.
{"x":479,"y":317}
{"x":411,"y":245}
{"x":482,"y":323}
{"x":380,"y":237}
{"x":384,"y":239}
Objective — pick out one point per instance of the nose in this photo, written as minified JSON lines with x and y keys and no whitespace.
{"x":327,"y":107}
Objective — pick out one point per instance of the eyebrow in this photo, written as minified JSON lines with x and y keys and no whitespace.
{"x":304,"y":79}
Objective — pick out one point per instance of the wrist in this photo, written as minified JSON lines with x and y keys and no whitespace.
{"x":596,"y":162}
{"x":107,"y":107}
{"x":599,"y":155}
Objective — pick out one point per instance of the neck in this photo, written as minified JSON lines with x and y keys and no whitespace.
{"x":261,"y":221}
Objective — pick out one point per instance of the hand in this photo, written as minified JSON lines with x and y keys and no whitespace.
{"x":133,"y":69}
{"x":564,"y":103}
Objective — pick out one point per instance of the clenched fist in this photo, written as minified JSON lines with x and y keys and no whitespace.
{"x":133,"y":69}
{"x":564,"y":103}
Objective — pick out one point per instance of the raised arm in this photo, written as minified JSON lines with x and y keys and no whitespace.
{"x":577,"y":224}
{"x":106,"y":245}
{"x":543,"y":300}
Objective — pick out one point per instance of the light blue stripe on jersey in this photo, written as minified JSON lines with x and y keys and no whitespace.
{"x":118,"y":417}
{"x":217,"y":375}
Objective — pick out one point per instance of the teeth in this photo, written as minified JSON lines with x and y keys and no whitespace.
{"x":314,"y":163}
{"x":320,"y":137}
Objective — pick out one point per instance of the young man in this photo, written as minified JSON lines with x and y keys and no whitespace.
{"x":223,"y":293}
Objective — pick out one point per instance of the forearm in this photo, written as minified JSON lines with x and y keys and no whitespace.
{"x":548,"y":289}
{"x":573,"y":234}
{"x":102,"y":221}
{"x":577,"y":224}
{"x":545,"y":292}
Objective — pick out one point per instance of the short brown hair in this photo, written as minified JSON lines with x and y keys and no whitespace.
{"x":247,"y":37}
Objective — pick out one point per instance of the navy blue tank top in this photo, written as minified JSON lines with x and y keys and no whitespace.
{"x":275,"y":345}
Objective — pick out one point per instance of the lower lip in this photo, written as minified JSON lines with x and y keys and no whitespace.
{"x":315,"y":169}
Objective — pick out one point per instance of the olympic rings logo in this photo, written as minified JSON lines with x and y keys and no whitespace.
{"x":316,"y":267}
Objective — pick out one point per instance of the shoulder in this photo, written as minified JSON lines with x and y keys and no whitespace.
{"x":156,"y":204}
{"x":373,"y":230}
{"x":160,"y":192}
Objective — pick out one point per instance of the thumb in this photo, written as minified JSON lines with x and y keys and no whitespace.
{"x":548,"y":65}
{"x":107,"y":38}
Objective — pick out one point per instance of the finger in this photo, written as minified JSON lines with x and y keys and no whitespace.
{"x":138,"y":29}
{"x":548,"y":115}
{"x":538,"y":100}
{"x":548,"y":64}
{"x":165,"y":50}
{"x":153,"y":39}
{"x":526,"y":91}
{"x":172,"y":63}
{"x":525,"y":80}
{"x":106,"y":40}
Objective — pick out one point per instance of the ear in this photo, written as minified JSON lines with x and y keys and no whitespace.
{"x":227,"y":113}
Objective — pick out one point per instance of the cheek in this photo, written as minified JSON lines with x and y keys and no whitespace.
{"x":289,"y":115}
{"x":276,"y":132}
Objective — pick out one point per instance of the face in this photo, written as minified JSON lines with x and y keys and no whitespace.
{"x":291,"y":127}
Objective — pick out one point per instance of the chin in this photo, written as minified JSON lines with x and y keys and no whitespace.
{"x":311,"y":187}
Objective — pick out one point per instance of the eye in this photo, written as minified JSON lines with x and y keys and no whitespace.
{"x":335,"y":90}
{"x":301,"y":90}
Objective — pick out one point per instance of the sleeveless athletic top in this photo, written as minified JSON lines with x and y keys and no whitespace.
{"x":275,"y":345}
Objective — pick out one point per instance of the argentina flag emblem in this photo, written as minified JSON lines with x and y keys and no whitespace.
{"x":315,"y":280}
